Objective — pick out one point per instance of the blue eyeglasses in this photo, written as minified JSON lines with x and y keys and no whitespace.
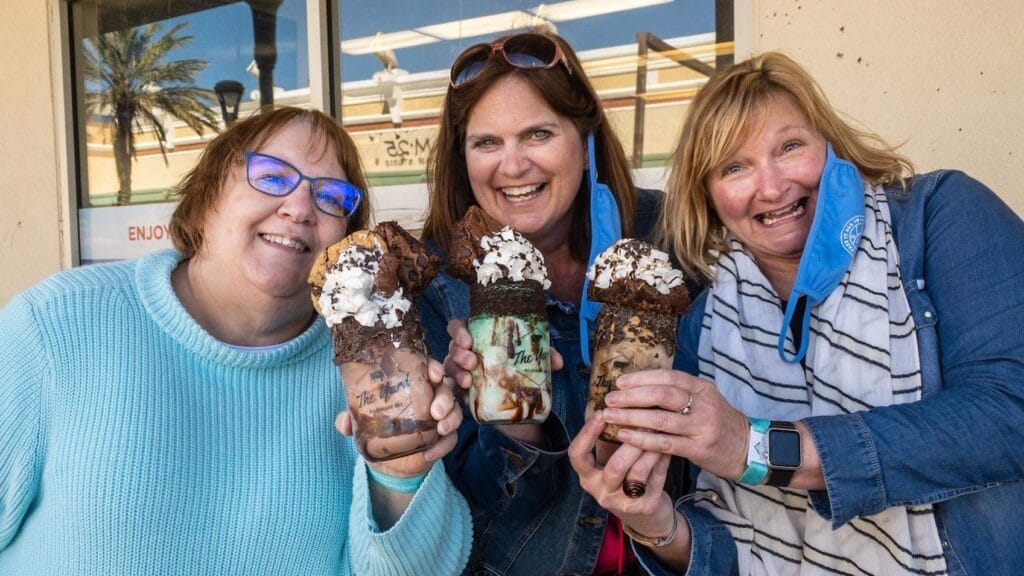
{"x":276,"y":177}
{"x":529,"y":51}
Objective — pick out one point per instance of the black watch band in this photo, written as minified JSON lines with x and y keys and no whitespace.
{"x":783,"y":453}
{"x":779,"y":478}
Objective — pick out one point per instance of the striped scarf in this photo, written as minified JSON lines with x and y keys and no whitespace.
{"x":862,"y":353}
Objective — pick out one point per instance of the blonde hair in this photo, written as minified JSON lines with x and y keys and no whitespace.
{"x":720,"y":118}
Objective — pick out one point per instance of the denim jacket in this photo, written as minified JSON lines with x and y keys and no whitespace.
{"x":961,"y":447}
{"x":530,"y":515}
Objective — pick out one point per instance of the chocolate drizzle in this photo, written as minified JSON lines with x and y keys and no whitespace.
{"x":385,"y":427}
{"x":525,"y":402}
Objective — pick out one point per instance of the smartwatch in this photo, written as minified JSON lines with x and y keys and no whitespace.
{"x":773,"y":453}
{"x":783,"y":452}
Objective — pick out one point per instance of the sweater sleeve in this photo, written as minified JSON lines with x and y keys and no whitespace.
{"x":21,"y":374}
{"x":433,"y":536}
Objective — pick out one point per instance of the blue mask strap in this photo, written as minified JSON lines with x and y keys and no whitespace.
{"x":591,"y":166}
{"x":605,"y":230}
{"x":804,"y":329}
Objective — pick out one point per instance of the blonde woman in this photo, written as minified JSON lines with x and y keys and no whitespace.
{"x":851,"y":386}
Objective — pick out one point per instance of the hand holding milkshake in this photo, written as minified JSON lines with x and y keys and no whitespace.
{"x":508,"y":323}
{"x":364,"y":287}
{"x":642,"y":298}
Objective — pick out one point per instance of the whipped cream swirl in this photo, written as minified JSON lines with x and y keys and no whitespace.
{"x":348,"y":291}
{"x":510,"y":256}
{"x":631,"y":259}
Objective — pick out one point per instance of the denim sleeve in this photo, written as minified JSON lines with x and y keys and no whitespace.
{"x":712,"y":552}
{"x":496,"y":471}
{"x":968,"y":436}
{"x":434,"y":316}
{"x":688,"y":337}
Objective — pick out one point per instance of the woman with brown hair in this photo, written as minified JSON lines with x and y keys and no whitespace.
{"x":523,"y":136}
{"x":851,"y":385}
{"x":174,"y":414}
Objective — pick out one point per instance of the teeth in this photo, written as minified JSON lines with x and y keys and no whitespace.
{"x":780,"y":210}
{"x":293,"y":244}
{"x":769,"y":218}
{"x":515,"y":191}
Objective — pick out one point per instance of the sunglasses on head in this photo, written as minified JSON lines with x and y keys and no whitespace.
{"x":528,"y":51}
{"x":276,"y":177}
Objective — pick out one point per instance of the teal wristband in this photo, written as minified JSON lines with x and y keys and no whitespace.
{"x":757,"y":454}
{"x":394,"y":483}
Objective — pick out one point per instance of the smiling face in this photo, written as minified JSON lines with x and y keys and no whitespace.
{"x":525,"y":161}
{"x":256,"y":244}
{"x":765,"y":192}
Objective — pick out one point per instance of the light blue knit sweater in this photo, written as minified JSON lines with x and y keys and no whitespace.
{"x":133,"y":442}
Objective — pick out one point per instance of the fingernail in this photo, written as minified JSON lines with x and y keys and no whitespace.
{"x":428,"y":456}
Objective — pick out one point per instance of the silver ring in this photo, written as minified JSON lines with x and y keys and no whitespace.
{"x":689,"y":404}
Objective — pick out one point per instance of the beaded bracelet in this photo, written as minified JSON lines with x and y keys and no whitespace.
{"x":395,"y":483}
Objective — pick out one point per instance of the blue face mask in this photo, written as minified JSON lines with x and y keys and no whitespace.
{"x":831,"y":244}
{"x":605,"y":230}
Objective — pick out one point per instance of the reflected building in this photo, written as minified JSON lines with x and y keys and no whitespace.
{"x":384,"y":74}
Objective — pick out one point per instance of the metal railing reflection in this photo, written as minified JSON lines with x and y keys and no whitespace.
{"x":647,"y":42}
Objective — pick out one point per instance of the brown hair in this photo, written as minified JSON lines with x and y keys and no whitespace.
{"x":718,"y":121}
{"x":569,"y":95}
{"x":200,"y":188}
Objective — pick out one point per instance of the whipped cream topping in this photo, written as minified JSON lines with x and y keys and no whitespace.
{"x":631,"y":259}
{"x":348,"y":291}
{"x":508,"y":255}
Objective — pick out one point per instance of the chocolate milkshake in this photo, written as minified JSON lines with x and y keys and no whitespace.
{"x":642,"y":298}
{"x":364,"y":287}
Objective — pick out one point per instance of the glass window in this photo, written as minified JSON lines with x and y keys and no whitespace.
{"x":145,"y":104}
{"x":145,"y":74}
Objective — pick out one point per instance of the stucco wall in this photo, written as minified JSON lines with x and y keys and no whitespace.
{"x":941,"y":76}
{"x":30,"y":204}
